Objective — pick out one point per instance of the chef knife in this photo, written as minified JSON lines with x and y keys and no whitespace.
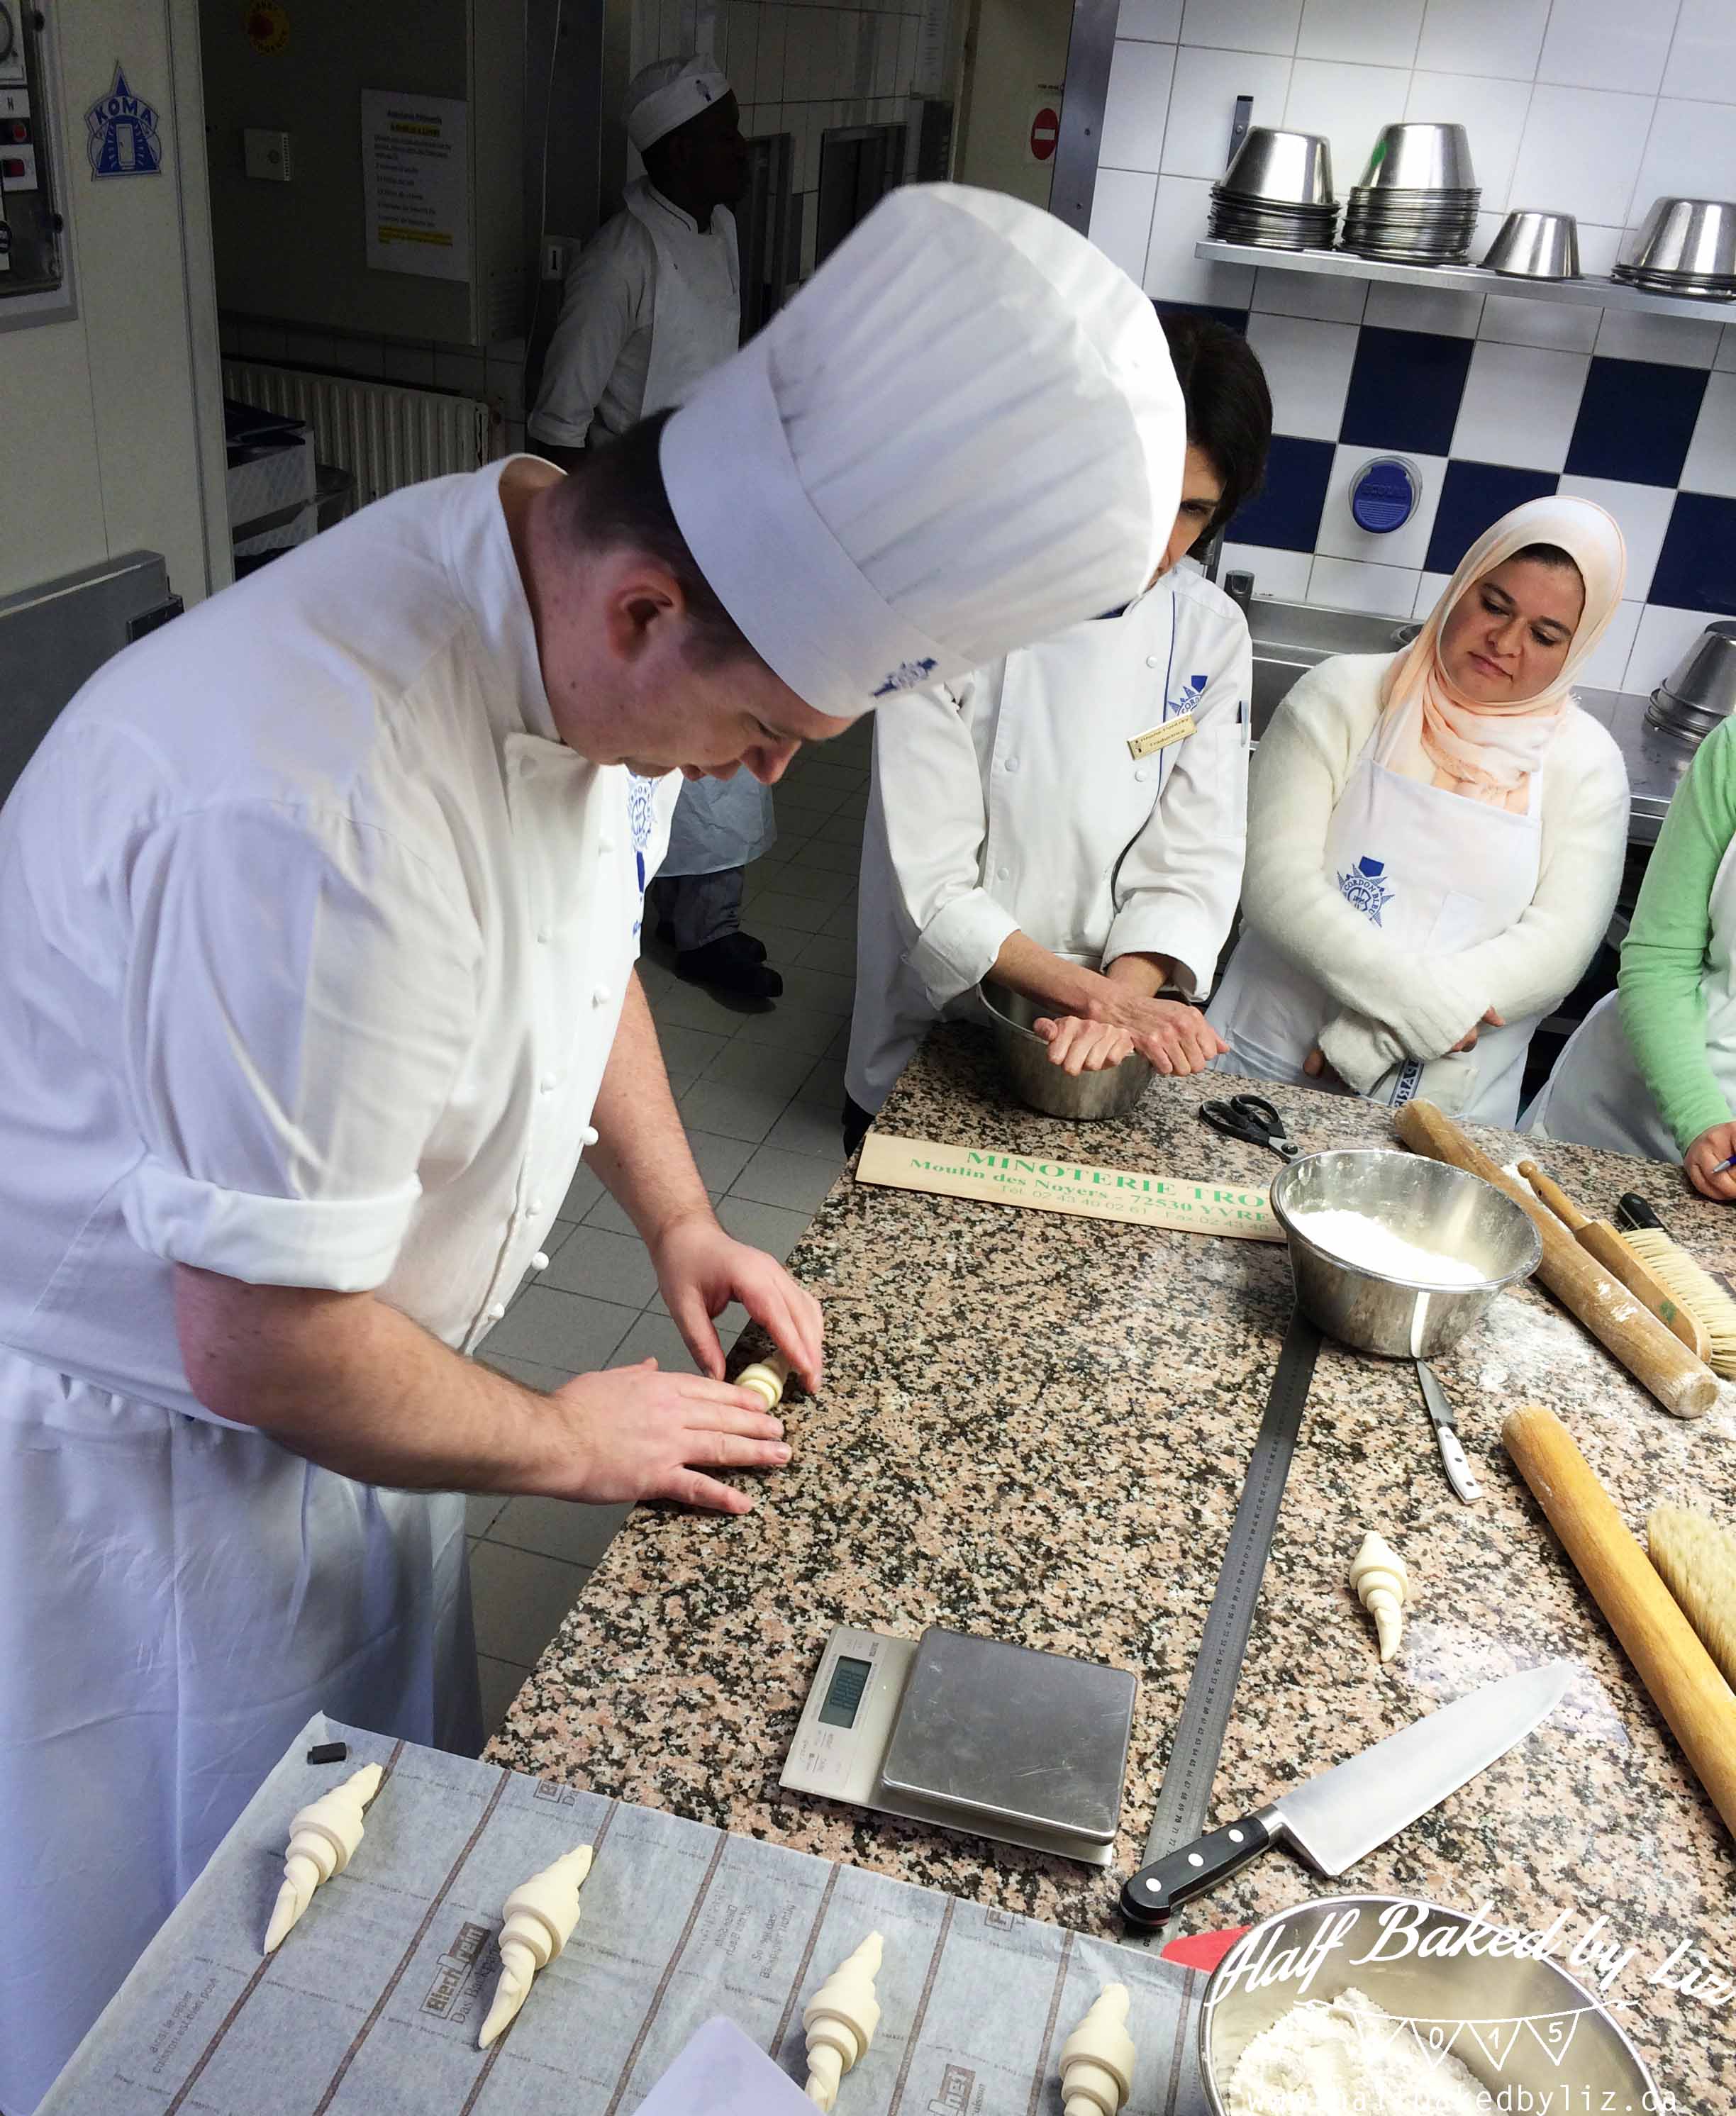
{"x":1446,"y":1431}
{"x":1340,"y":1817}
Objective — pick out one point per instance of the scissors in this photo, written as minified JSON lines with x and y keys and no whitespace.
{"x":1253,"y":1120}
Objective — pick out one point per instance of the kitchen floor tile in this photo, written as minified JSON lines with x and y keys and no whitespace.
{"x":775,"y":1176}
{"x":520,"y":1599}
{"x":769,"y":1227}
{"x":747,"y":1113}
{"x":481,"y":1509}
{"x":790,"y":1026}
{"x":655,"y":1336}
{"x":501,"y":1681}
{"x":775,"y":901}
{"x":812,"y":1127}
{"x":559,"y":1528}
{"x":583,"y":1193}
{"x":568,"y":1331}
{"x":530,"y":1373}
{"x":605,"y":1265}
{"x":761,"y":1065}
{"x":823,"y":990}
{"x":721,"y":1159}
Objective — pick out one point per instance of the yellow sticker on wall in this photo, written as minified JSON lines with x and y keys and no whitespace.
{"x":268,"y":26}
{"x":1160,"y":738}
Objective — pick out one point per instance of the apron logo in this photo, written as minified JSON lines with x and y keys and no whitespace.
{"x":1190,"y":695}
{"x":640,"y":817}
{"x":905,"y":677}
{"x":1364,"y":889}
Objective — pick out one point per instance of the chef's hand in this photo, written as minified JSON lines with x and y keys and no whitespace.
{"x":1712,"y":1147}
{"x":1175,"y":1037}
{"x":1468,"y":1041}
{"x":701,"y":1269}
{"x":1078,"y":1046}
{"x":1314,"y":1065}
{"x":640,"y":1432}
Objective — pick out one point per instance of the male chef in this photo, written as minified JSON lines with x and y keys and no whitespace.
{"x":652,"y":303}
{"x":322,"y":909}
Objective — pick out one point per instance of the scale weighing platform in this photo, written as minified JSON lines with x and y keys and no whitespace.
{"x":1025,"y":1747}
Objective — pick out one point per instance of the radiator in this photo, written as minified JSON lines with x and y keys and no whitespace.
{"x":383,"y":435}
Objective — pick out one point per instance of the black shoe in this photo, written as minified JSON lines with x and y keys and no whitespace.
{"x":756,"y":949}
{"x":727,"y":964}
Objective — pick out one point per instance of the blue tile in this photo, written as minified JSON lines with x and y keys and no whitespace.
{"x":1636,"y":420}
{"x":1472,"y":496}
{"x":1696,"y":568}
{"x":1405,"y":387}
{"x":1286,"y":510}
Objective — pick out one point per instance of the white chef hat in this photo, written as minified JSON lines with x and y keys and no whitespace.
{"x":963,"y":435}
{"x":667,"y":93}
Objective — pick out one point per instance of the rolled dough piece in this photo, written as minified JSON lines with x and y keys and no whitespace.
{"x":1097,"y":2059}
{"x":1383,"y":1587}
{"x":766,"y":1378}
{"x":840,"y":2019}
{"x":540,"y":1914}
{"x":322,"y":1837}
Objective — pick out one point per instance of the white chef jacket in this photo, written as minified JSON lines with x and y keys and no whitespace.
{"x":1012,"y":801}
{"x":600,"y":358}
{"x":317,"y":940}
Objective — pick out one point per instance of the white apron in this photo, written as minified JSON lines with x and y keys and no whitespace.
{"x":718,"y":822}
{"x":251,"y":1588}
{"x":1437,"y":873}
{"x":1597,"y":1096}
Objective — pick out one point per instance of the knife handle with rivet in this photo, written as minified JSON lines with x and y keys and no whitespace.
{"x":1458,"y":1468}
{"x":1156,"y":1891}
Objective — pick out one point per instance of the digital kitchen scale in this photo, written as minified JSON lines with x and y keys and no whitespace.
{"x":1028,"y":1748}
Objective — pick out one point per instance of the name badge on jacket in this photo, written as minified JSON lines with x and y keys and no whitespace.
{"x":1160,"y":738}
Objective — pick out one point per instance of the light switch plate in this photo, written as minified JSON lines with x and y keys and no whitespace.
{"x":266,"y":155}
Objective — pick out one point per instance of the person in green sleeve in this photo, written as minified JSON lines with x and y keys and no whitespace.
{"x":1651,"y":1070}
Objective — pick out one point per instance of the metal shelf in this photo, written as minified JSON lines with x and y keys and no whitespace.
{"x":1468,"y":279}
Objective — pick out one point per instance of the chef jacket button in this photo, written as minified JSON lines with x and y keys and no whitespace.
{"x":534,"y":1207}
{"x":1143,"y":774}
{"x":545,"y":934}
{"x":588,"y":1137}
{"x":605,"y":846}
{"x":1011,"y":764}
{"x":600,"y":995}
{"x":497,"y":1311}
{"x":548,"y":1083}
{"x":539,"y":1262}
{"x":1151,"y":661}
{"x":1003,"y":873}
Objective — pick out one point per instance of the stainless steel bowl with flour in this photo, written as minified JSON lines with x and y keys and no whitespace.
{"x":1396,"y":1254}
{"x":1458,"y":2028}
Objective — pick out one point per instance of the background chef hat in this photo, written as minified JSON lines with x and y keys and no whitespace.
{"x":962,"y":436}
{"x":667,"y":93}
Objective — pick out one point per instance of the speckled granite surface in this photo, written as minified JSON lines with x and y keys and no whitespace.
{"x":1035,"y":1427}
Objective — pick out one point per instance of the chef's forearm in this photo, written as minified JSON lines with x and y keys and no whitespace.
{"x":1053,"y":981}
{"x":1146,"y":976}
{"x":641,"y":1154}
{"x":352,"y":1383}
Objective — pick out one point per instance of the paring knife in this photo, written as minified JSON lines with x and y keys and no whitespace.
{"x":1340,"y":1817}
{"x":1446,"y":1431}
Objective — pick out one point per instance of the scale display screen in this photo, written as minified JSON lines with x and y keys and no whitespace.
{"x":844,"y":1693}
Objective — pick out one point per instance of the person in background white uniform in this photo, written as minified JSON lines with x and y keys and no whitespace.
{"x":1082,"y":803}
{"x":322,"y":904}
{"x":652,"y":303}
{"x":1435,"y":837}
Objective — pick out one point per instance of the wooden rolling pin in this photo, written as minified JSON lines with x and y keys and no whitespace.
{"x":1682,"y":1384}
{"x":1601,"y":1239}
{"x":1663,"y":1647}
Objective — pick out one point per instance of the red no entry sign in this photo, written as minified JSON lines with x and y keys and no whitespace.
{"x":1045,"y":132}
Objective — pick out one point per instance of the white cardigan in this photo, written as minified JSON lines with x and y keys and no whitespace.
{"x":1393,"y":1007}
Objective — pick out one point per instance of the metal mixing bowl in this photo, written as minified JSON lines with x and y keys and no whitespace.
{"x":1049,"y":1087}
{"x":1420,"y":158}
{"x":1684,"y":245}
{"x":1425,"y":1202}
{"x":1536,"y":246}
{"x":1701,"y":690}
{"x":1598,"y":2068}
{"x":1289,"y":168}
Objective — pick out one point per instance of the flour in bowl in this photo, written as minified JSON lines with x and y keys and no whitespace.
{"x":1358,"y":1240}
{"x":1325,"y":2060}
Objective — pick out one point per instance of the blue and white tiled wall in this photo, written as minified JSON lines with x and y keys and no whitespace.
{"x":1590,"y":107}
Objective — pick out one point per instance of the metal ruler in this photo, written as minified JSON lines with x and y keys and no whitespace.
{"x":1186,"y":1792}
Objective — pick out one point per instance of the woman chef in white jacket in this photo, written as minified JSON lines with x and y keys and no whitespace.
{"x":322,"y":910}
{"x":1082,"y":799}
{"x":1435,"y":836}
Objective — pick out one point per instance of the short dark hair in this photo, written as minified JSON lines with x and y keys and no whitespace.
{"x":616,"y":498}
{"x":1550,"y":555}
{"x":1229,"y":407}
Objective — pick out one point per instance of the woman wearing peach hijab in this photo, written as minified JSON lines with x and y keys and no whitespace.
{"x":1435,"y":837}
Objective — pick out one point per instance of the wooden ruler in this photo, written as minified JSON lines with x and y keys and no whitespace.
{"x":1190,"y":1205}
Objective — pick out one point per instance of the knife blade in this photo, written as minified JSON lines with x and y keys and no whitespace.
{"x":1446,"y":1434}
{"x":1340,"y":1817}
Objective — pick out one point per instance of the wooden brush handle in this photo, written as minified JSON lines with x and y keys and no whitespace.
{"x":1658,"y":1362}
{"x":1680,"y":1674}
{"x":1555,"y":1197}
{"x":1598,"y":1239}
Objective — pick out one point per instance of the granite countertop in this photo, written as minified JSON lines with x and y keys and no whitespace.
{"x":1035,"y":1427}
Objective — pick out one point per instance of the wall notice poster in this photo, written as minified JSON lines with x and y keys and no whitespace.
{"x":415,"y":183}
